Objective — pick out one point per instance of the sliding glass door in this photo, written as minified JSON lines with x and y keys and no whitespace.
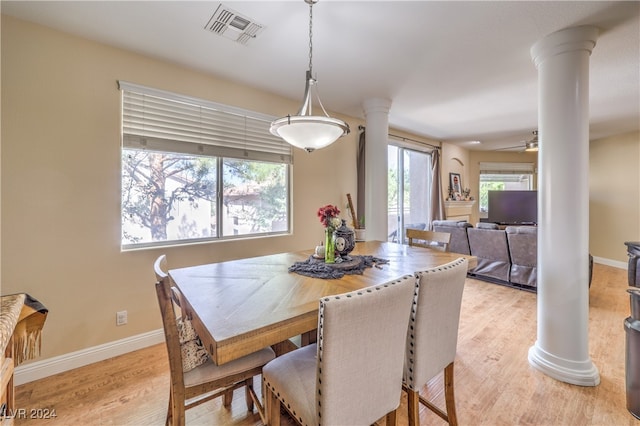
{"x":409,"y":180}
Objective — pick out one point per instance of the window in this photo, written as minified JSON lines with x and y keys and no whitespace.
{"x":196,"y":171}
{"x":502,"y":177}
{"x":409,"y":180}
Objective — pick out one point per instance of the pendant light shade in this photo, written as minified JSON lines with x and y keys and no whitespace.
{"x":305,"y":130}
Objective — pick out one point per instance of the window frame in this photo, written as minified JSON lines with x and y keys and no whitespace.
{"x":138,"y":133}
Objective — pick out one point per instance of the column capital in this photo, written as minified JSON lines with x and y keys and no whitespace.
{"x":563,"y":41}
{"x":373,"y":105}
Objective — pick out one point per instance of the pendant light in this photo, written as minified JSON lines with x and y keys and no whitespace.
{"x":305,"y":130}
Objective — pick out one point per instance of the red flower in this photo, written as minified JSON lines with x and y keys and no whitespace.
{"x":327,"y":213}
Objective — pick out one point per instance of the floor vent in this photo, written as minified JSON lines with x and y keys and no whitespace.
{"x":230,"y":24}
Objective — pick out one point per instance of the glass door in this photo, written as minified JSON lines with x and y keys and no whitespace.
{"x":409,"y":180}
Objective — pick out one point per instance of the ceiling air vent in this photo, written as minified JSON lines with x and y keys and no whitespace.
{"x":230,"y":24}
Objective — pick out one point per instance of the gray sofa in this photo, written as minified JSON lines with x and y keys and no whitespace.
{"x":507,"y":256}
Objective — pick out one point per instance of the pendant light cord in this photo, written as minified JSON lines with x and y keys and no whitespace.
{"x":311,"y":38}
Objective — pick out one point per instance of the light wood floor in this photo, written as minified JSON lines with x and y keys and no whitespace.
{"x":493,"y":380}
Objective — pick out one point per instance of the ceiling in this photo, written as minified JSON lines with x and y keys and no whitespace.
{"x":454,"y":71}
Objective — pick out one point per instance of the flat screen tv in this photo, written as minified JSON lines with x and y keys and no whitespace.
{"x":513,"y":207}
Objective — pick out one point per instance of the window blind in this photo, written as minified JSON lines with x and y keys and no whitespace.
{"x":506,"y":168}
{"x":163,"y":121}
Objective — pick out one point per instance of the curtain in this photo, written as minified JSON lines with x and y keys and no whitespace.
{"x":361,"y":176}
{"x":437,"y":197}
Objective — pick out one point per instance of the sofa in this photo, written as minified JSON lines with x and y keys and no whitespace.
{"x":506,"y":256}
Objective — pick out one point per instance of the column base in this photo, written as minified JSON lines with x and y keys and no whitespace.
{"x":576,"y":373}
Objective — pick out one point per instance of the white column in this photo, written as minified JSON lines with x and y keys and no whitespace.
{"x":376,"y":113}
{"x":562,"y":347}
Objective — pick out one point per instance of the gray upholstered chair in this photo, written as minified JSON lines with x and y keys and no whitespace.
{"x":489,"y":244}
{"x":432,"y":336}
{"x":206,"y":381}
{"x":459,"y":242}
{"x":353,"y":375}
{"x":523,"y":249}
{"x":429,"y":239}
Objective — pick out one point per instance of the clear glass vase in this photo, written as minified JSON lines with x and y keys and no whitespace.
{"x":329,"y":246}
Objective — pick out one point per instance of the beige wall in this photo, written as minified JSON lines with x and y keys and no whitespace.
{"x":614,"y":195}
{"x":477,"y":157}
{"x":61,"y":183}
{"x":456,"y":160}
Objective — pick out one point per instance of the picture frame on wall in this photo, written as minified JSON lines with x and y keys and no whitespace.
{"x":455,"y":181}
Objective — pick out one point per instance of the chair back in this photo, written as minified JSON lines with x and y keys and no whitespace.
{"x":422,"y":238}
{"x":172,"y":339}
{"x":432,"y":335}
{"x":361,"y":341}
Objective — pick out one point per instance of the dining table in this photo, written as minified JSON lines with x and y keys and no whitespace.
{"x":240,"y":306}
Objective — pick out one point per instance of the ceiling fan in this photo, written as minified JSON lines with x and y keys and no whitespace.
{"x":528,"y":146}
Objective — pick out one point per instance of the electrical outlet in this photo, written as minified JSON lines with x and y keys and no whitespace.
{"x":121,"y":317}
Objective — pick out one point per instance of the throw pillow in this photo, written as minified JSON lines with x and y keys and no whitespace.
{"x":193,"y":351}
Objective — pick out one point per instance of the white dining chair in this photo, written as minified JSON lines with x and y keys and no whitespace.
{"x":432,"y":336}
{"x":348,"y":377}
{"x":198,"y":380}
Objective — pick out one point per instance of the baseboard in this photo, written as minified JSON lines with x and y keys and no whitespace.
{"x":610,"y":262}
{"x":59,"y":364}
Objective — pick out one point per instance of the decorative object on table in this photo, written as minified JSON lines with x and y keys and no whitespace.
{"x":319,"y":252}
{"x":329,"y":218}
{"x":316,"y":268}
{"x":358,"y":223}
{"x":345,"y":240}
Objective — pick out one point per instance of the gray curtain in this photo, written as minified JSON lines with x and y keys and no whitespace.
{"x":361,"y":176}
{"x":437,"y":197}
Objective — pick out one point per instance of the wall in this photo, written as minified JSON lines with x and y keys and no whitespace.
{"x":614,"y":195}
{"x":477,"y":157}
{"x":60,"y":176}
{"x":456,"y":160}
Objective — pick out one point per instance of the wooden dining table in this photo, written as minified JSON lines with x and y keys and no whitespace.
{"x":240,"y":306}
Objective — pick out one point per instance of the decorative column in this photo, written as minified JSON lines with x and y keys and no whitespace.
{"x":376,"y":113}
{"x":562,"y":347}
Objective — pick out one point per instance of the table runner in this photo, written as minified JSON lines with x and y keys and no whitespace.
{"x":316,"y":268}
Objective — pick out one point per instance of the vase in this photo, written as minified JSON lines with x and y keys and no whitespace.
{"x":344,"y":238}
{"x":329,"y":246}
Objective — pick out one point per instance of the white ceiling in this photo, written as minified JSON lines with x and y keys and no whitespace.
{"x":455,"y":71}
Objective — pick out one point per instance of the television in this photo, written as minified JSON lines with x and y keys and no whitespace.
{"x":513,"y":207}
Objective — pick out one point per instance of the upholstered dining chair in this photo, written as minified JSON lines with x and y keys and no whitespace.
{"x":194,"y":378}
{"x":430,"y":239}
{"x":347,"y":377}
{"x":432,"y":336}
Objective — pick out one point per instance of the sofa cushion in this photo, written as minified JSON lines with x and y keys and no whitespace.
{"x":490,"y":247}
{"x":459,"y":242}
{"x":523,"y":249}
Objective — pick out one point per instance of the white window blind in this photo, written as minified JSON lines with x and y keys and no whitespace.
{"x":163,"y":121}
{"x":506,"y":168}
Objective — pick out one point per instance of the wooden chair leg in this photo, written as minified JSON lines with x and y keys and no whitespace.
{"x":227,"y":398}
{"x":449,"y":395}
{"x":392,"y":418}
{"x":272,"y":407}
{"x":413,"y":407}
{"x":248,"y":385}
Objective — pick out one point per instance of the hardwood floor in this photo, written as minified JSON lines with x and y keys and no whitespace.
{"x":493,"y":380}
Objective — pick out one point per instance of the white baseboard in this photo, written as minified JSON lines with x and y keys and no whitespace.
{"x":50,"y":366}
{"x":609,"y":262}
